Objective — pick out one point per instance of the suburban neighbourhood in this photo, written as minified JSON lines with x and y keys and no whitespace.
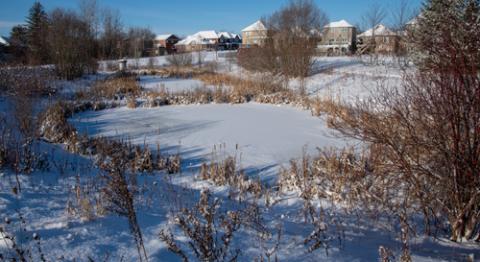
{"x":286,"y":130}
{"x":336,"y":38}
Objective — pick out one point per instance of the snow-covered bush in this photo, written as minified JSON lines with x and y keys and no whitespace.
{"x":210,"y":233}
{"x":53,"y":124}
{"x":116,"y":87}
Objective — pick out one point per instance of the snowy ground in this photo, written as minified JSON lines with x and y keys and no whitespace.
{"x":170,"y":85}
{"x":267,"y":136}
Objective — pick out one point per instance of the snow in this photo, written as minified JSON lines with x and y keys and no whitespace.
{"x":171,"y":85}
{"x":267,"y":136}
{"x":210,"y":34}
{"x":163,"y":37}
{"x":341,"y":23}
{"x":380,"y":30}
{"x":257,"y":26}
{"x":4,"y":41}
{"x":193,"y":40}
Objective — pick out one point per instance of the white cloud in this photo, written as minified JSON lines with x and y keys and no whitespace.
{"x":8,"y":24}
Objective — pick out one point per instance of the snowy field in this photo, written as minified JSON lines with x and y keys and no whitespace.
{"x":263,"y":137}
{"x":267,"y":136}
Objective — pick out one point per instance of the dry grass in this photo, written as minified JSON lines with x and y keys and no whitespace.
{"x":224,"y":170}
{"x":209,"y":231}
{"x":131,"y":102}
{"x":113,"y":88}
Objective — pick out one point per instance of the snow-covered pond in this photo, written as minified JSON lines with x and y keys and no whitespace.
{"x":158,"y":83}
{"x":266,"y":136}
{"x":172,"y":85}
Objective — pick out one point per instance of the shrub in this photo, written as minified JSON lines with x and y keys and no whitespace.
{"x":209,"y":233}
{"x":180,"y":60}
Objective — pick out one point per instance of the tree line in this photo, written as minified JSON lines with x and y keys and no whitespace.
{"x":74,"y":40}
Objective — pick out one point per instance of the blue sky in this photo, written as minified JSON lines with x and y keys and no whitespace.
{"x":184,"y":17}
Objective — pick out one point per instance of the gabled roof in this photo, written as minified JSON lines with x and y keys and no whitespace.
{"x":380,"y":30}
{"x":341,"y":23}
{"x":226,"y":35}
{"x":210,"y":34}
{"x":194,"y":40}
{"x":257,"y":26}
{"x":4,"y":41}
{"x":164,"y":37}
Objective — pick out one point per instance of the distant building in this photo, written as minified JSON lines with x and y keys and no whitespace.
{"x":4,"y":44}
{"x":202,"y":40}
{"x":379,"y":39}
{"x":254,"y":35}
{"x":228,"y":41}
{"x":165,"y":44}
{"x":338,"y":38}
{"x":209,"y":40}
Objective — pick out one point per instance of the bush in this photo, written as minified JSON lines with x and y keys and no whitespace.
{"x":209,"y":233}
{"x":180,"y":60}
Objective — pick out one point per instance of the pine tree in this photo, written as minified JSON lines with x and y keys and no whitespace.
{"x":37,"y":28}
{"x":443,"y":27}
{"x":19,"y":42}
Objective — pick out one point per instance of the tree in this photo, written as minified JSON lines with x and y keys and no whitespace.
{"x":70,"y":41}
{"x":112,"y":36}
{"x":428,"y":130}
{"x":89,"y":13}
{"x":293,"y":34}
{"x":19,"y":43}
{"x":139,"y":41}
{"x":373,"y":17}
{"x":37,"y":24}
{"x":402,"y":14}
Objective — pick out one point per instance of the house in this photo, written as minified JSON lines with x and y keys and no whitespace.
{"x":254,"y":35}
{"x":338,"y":38}
{"x":4,"y":44}
{"x":228,"y":41}
{"x":379,"y":39}
{"x":165,"y":44}
{"x":203,"y":40}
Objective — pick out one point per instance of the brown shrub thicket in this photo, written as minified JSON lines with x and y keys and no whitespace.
{"x":116,"y":87}
{"x":428,"y":129}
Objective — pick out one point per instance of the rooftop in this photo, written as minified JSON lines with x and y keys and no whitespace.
{"x":257,"y":26}
{"x":341,"y":23}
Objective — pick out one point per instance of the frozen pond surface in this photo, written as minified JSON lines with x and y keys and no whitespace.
{"x":266,"y":135}
{"x":173,"y":85}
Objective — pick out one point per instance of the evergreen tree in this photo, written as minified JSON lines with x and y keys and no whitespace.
{"x":446,"y":29}
{"x":19,"y":43}
{"x":37,"y":28}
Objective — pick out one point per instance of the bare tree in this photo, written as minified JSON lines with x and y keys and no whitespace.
{"x":293,"y":34}
{"x":402,"y":14}
{"x":112,"y":35}
{"x":71,"y":44}
{"x":372,"y":18}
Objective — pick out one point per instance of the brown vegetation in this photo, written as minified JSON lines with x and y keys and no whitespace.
{"x":209,"y":232}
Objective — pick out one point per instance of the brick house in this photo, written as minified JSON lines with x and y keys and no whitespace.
{"x":203,"y":40}
{"x":379,"y":39}
{"x":165,"y":44}
{"x":338,"y":38}
{"x":254,"y":35}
